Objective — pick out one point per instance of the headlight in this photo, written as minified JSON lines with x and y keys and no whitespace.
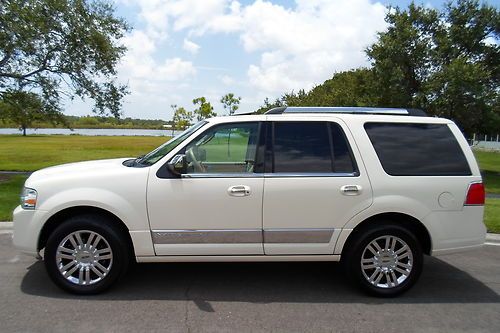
{"x":28,"y":198}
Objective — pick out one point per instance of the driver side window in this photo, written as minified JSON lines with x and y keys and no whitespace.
{"x":226,"y":148}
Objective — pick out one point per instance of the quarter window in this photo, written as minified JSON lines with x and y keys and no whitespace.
{"x":406,"y":149}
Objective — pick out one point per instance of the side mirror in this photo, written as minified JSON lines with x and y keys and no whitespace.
{"x":177,"y":165}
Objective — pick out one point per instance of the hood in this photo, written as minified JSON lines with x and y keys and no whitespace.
{"x":109,"y":166}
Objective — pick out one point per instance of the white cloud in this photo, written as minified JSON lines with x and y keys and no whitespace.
{"x":138,"y":62}
{"x":227,"y":80}
{"x":174,"y":69}
{"x":298,"y":47}
{"x":154,"y":84}
{"x":304,"y":46}
{"x":190,"y":46}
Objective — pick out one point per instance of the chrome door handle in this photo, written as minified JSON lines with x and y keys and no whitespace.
{"x":239,"y":191}
{"x":350,"y":189}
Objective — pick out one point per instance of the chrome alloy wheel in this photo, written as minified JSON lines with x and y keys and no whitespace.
{"x":84,"y":257}
{"x":387,"y":262}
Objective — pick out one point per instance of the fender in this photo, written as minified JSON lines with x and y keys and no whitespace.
{"x":133,"y":214}
{"x":380,"y":205}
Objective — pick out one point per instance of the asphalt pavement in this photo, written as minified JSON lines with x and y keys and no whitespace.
{"x":456,"y":293}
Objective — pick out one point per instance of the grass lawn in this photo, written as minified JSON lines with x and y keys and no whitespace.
{"x":10,"y":189}
{"x":489,"y":163}
{"x":31,"y":153}
{"x":492,"y":215}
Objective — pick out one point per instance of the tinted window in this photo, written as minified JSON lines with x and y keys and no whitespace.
{"x":342,"y":157}
{"x":307,"y":147}
{"x":417,"y":149}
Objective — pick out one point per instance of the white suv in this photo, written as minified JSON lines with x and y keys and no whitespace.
{"x":374,"y":188}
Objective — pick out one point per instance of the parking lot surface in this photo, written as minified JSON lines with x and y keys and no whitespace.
{"x":456,"y":293}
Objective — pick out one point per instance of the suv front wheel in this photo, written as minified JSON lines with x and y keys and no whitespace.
{"x":86,"y":254}
{"x":385,"y":260}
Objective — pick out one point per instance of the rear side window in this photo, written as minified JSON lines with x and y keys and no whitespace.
{"x":417,"y":149}
{"x":311,"y":147}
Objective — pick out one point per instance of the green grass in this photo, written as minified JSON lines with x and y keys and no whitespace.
{"x":35,"y":152}
{"x":10,"y":189}
{"x":492,"y":215}
{"x":219,"y":150}
{"x":488,"y":160}
{"x":489,"y":163}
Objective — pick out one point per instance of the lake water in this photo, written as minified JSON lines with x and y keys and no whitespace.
{"x":92,"y":131}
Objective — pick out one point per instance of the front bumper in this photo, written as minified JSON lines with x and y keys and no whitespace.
{"x":27,"y":227}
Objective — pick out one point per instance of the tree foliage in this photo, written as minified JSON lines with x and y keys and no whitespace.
{"x":62,"y":48}
{"x":204,"y":109}
{"x":230,"y":103}
{"x":445,"y":62}
{"x":182,"y":118}
{"x":23,"y":108}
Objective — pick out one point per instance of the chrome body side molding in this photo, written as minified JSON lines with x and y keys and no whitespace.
{"x":207,"y":236}
{"x":297,"y":235}
{"x":238,"y":236}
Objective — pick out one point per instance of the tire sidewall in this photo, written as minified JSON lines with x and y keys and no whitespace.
{"x":93,"y":223}
{"x":360,"y":243}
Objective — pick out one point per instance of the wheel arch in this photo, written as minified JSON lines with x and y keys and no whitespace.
{"x":394,"y":218}
{"x":56,"y":219}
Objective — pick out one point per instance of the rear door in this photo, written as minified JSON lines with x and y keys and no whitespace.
{"x":315,"y":182}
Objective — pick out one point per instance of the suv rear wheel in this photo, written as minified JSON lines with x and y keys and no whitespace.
{"x":86,"y":254}
{"x":385,"y":260}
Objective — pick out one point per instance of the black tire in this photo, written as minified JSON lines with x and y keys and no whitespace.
{"x":356,"y":249}
{"x":120,"y":253}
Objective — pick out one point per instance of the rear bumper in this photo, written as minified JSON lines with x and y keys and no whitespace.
{"x":457,"y":250}
{"x":458,"y":231}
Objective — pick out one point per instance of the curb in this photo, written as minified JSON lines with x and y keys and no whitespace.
{"x":6,"y":225}
{"x":493,"y":238}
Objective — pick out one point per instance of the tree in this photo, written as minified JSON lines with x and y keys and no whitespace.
{"x":23,"y":108}
{"x":181,"y":119}
{"x":230,"y":103}
{"x":350,"y":88}
{"x":445,"y":62}
{"x":205,"y":109}
{"x":268,"y":105}
{"x":62,"y":48}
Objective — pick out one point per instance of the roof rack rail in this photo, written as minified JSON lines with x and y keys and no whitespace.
{"x":351,"y":110}
{"x":278,"y":110}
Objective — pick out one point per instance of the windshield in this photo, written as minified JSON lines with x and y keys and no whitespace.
{"x":167,"y":147}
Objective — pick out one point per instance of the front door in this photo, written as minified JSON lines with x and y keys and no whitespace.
{"x":315,"y":185}
{"x":215,"y":208}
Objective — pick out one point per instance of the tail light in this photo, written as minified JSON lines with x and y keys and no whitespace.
{"x":475,"y":194}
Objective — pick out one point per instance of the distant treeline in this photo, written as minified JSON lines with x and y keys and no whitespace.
{"x":96,"y":122}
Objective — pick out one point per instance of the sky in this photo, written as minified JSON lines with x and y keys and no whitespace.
{"x":182,"y":49}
